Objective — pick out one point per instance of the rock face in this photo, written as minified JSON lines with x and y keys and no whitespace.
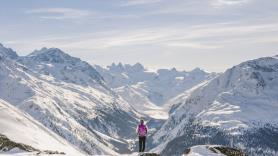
{"x":227,"y":151}
{"x":6,"y":145}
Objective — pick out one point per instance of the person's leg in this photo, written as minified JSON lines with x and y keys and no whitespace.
{"x":140,"y":144}
{"x":143,"y":143}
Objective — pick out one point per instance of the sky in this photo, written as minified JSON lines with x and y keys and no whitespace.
{"x":211,"y":34}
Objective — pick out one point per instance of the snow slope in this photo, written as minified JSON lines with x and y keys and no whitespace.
{"x":148,"y":91}
{"x":202,"y":151}
{"x":159,"y":86}
{"x":22,"y":128}
{"x":138,"y":99}
{"x":62,"y":67}
{"x":212,"y":150}
{"x":69,"y":97}
{"x":243,"y":97}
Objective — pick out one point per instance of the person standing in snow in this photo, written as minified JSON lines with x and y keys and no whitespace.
{"x":142,"y":131}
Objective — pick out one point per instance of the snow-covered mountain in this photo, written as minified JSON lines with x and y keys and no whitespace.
{"x":95,"y":110}
{"x":22,"y":128}
{"x":61,"y":66}
{"x":7,"y":52}
{"x":238,"y":108}
{"x":138,"y":98}
{"x":69,"y":97}
{"x":148,"y":91}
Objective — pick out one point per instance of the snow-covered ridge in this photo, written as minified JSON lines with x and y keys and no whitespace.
{"x":53,"y":55}
{"x":212,"y":150}
{"x":7,"y":52}
{"x":22,"y":128}
{"x":156,"y":86}
{"x":62,"y":66}
{"x":88,"y":115}
{"x":236,"y":100}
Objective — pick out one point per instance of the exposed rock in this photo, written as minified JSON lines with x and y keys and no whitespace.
{"x":187,"y":151}
{"x":212,"y":150}
{"x":6,"y":145}
{"x":228,"y":151}
{"x":150,"y":154}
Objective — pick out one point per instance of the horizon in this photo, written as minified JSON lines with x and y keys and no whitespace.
{"x":213,"y":35}
{"x":115,"y":63}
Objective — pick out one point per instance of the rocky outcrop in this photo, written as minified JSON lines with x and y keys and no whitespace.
{"x":6,"y":145}
{"x":227,"y":151}
{"x":213,"y":149}
{"x":150,"y":154}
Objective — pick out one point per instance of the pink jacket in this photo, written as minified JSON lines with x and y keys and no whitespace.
{"x":142,"y":130}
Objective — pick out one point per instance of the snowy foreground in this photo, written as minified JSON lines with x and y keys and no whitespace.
{"x":212,"y":150}
{"x":202,"y":151}
{"x":22,"y":128}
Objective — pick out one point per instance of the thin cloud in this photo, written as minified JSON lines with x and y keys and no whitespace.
{"x":61,"y":13}
{"x":193,"y":45}
{"x":219,"y":3}
{"x":210,"y":36}
{"x":139,"y":2}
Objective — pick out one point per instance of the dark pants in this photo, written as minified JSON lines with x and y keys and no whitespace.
{"x":142,"y":140}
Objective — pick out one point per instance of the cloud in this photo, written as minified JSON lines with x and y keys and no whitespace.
{"x":219,"y":3}
{"x":139,"y":2}
{"x":193,"y":45}
{"x":61,"y":13}
{"x":209,"y":36}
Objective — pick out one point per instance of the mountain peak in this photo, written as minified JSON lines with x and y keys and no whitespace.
{"x":53,"y":55}
{"x":63,"y":66}
{"x":46,"y":50}
{"x":117,"y":67}
{"x":174,"y":69}
{"x":266,"y":64}
{"x":138,"y":67}
{"x":197,"y":70}
{"x":7,"y":52}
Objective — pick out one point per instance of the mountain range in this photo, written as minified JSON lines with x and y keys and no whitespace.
{"x":91,"y":109}
{"x":68,"y":97}
{"x":236,"y":108}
